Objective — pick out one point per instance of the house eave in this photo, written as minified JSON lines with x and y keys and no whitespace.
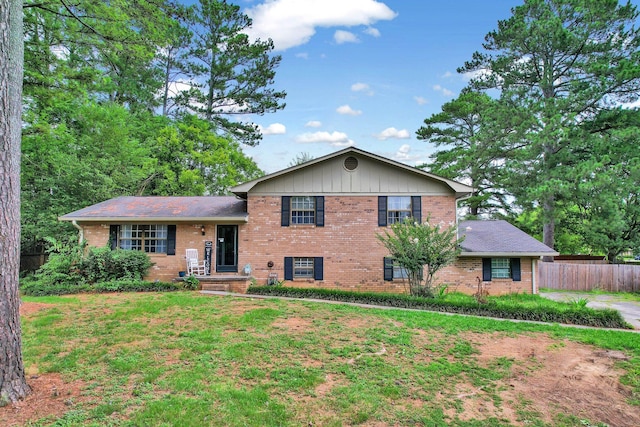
{"x":172,"y":219}
{"x":460,"y":190}
{"x":506,"y":254}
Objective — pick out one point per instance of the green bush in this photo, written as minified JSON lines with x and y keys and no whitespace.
{"x":37,"y":289}
{"x":495,"y":307}
{"x":191,"y":283}
{"x":104,"y":264}
{"x":61,"y":267}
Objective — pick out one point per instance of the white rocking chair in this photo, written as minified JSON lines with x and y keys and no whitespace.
{"x":195,"y":267}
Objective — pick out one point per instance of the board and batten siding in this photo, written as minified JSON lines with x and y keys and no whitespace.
{"x":370,"y":177}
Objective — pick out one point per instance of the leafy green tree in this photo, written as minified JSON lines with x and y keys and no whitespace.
{"x":607,"y":186}
{"x":415,"y":246}
{"x":193,"y":160}
{"x":561,"y":62}
{"x":231,"y":76}
{"x":470,"y":148}
{"x":84,"y":158}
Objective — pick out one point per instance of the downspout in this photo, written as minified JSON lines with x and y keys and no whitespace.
{"x":80,"y":233}
{"x":534,"y":273}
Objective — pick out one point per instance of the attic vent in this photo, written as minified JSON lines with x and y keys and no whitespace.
{"x":350,"y":163}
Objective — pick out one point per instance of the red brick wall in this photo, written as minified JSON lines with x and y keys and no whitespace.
{"x":462,"y":277}
{"x":353,"y":256}
{"x":166,"y":267}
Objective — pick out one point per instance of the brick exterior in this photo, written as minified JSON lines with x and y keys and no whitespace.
{"x":352,"y":255}
{"x":166,"y":267}
{"x":463,"y":276}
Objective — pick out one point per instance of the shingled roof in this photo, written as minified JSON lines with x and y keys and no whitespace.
{"x":156,"y":208}
{"x":499,"y":238}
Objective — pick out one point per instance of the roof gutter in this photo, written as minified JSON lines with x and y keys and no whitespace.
{"x":171,"y":219}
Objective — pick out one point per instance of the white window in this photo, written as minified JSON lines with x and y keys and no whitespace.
{"x":303,"y":267}
{"x":148,"y":238}
{"x":398,"y":208}
{"x":500,"y":268}
{"x":303,"y":210}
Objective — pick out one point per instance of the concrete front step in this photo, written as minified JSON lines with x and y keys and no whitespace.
{"x":209,"y":286}
{"x":238,"y":284}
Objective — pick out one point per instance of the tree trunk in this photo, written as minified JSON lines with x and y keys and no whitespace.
{"x":549,"y":227}
{"x":13,"y":384}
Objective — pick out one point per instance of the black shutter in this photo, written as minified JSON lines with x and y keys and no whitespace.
{"x":382,"y":211}
{"x":286,"y":210}
{"x":516,"y":274}
{"x":171,"y":239}
{"x":288,"y":268}
{"x":319,"y":211}
{"x":114,"y":230}
{"x":416,"y":208}
{"x":486,"y":269}
{"x":388,"y":269}
{"x":318,"y":268}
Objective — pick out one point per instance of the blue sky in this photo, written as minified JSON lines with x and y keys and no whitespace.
{"x":364,"y":72}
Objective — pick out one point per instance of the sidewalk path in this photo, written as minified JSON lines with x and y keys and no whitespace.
{"x":630,"y":310}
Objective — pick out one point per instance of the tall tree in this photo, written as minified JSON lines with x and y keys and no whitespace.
{"x":232,"y":76}
{"x":562,"y":62}
{"x":607,"y":187}
{"x":13,"y":384}
{"x":193,"y":160}
{"x":469,"y":145}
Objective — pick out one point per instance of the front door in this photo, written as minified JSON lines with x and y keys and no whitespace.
{"x":227,"y":248}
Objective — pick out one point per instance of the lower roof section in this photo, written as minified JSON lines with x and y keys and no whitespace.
{"x":164,"y":209}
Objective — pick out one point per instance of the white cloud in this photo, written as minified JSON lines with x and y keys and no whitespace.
{"x":292,"y":23}
{"x":341,"y":36}
{"x":303,"y":55}
{"x":362,"y":87}
{"x":393,"y":133}
{"x":447,"y":74}
{"x":443,"y":90}
{"x":335,"y":139}
{"x":373,"y":32}
{"x":359,"y":87}
{"x":347,"y":110}
{"x":313,"y":124}
{"x":403,"y":152}
{"x":273,"y":129}
{"x":405,"y":155}
{"x":420,"y":100}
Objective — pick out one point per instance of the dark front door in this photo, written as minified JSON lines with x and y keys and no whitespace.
{"x":227,"y":248}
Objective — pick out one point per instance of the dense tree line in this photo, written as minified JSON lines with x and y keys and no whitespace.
{"x":545,"y":131}
{"x":143,"y":97}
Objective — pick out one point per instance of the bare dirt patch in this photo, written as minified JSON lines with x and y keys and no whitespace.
{"x":553,"y":377}
{"x":51,"y":397}
{"x":293,"y":324}
{"x":28,"y":308}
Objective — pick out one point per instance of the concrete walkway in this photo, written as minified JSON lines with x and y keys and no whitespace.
{"x":630,"y":310}
{"x":633,"y":315}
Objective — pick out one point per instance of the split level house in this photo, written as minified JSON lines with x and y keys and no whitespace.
{"x":314,"y":225}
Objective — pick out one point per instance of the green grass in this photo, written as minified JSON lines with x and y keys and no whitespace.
{"x":184,"y":359}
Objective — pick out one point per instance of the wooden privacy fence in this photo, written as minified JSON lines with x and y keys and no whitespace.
{"x":586,"y":277}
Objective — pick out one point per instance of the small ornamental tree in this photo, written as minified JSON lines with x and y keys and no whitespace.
{"x":414,"y":245}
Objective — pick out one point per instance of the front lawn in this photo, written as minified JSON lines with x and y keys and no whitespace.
{"x":186,"y":359}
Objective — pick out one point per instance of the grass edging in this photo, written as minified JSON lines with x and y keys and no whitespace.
{"x":569,"y":314}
